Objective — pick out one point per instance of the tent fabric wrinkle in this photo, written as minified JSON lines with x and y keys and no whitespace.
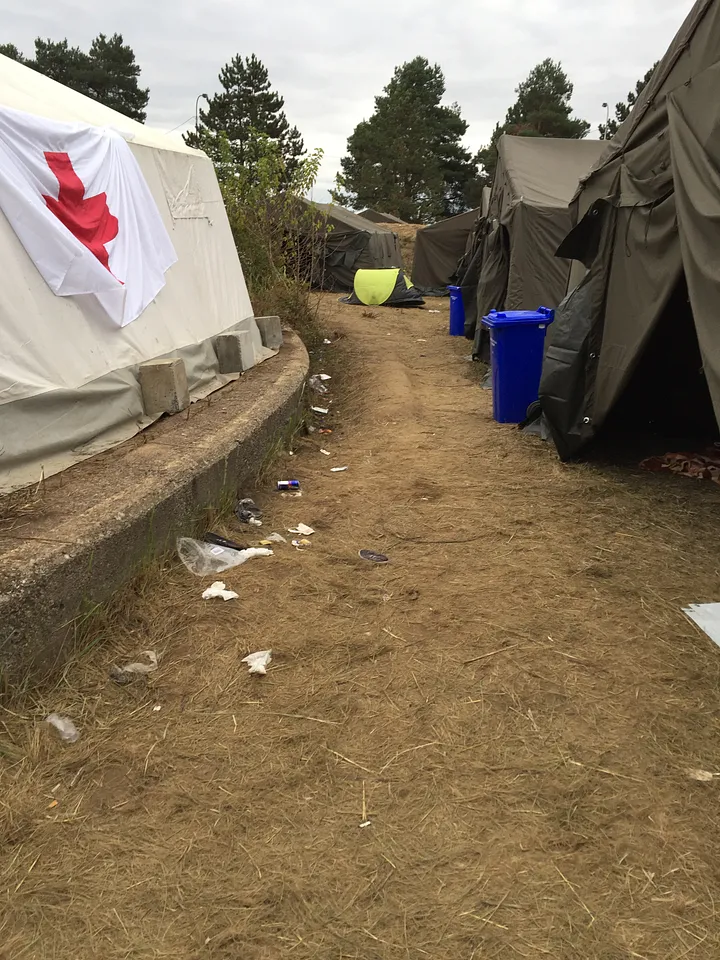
{"x":695,"y":150}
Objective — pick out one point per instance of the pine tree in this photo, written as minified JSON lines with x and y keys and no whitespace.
{"x":11,"y":51}
{"x":542,"y":109}
{"x":622,"y":110}
{"x":108,"y":73}
{"x":59,"y":61}
{"x":407,"y":159}
{"x":246,"y":107}
{"x":112,"y":77}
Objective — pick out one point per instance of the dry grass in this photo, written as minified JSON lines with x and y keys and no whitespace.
{"x":406,"y":233}
{"x":17,"y":509}
{"x":512,"y":703}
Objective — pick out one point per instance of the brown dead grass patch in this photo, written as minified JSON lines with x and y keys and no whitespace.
{"x":406,"y":233}
{"x":511,"y":705}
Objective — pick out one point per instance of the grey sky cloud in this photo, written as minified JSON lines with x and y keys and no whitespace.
{"x":328,"y":61}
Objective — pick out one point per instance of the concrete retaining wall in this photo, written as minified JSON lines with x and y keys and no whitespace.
{"x":111,"y":514}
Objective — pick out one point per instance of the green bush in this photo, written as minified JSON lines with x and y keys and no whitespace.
{"x":280,"y":237}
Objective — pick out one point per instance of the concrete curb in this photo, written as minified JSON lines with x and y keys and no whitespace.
{"x":132,"y":506}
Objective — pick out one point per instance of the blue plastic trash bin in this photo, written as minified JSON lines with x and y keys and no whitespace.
{"x":517,"y":346}
{"x":457,"y":312}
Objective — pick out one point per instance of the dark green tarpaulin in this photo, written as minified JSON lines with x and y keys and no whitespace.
{"x":528,"y":218}
{"x":377,"y":216}
{"x":648,"y":212}
{"x":350,"y":243}
{"x":439,"y":248}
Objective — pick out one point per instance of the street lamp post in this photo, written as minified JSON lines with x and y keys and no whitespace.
{"x":202,"y":96}
{"x":607,"y":120}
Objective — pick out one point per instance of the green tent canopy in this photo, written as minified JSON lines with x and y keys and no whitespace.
{"x":635,"y":347}
{"x":377,"y":216}
{"x":387,"y":288}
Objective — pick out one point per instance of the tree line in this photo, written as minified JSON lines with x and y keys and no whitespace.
{"x":406,"y":159}
{"x":107,"y":72}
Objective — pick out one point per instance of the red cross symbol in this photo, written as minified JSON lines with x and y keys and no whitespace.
{"x":89,"y":219}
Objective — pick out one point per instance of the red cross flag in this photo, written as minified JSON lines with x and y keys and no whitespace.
{"x":79,"y":204}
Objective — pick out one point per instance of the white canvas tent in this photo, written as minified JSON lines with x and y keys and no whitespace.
{"x":68,"y":377}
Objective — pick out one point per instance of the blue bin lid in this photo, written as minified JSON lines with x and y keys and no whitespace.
{"x":504,"y":318}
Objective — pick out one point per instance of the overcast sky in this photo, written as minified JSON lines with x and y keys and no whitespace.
{"x":329,"y":59}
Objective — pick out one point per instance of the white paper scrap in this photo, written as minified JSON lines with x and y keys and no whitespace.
{"x":143,"y":668}
{"x":338,"y":469}
{"x":217,"y":589}
{"x":707,"y":617}
{"x":302,"y":528}
{"x":320,"y":409}
{"x":257,"y":662}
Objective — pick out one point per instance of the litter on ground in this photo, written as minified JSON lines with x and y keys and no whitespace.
{"x":66,"y":729}
{"x":217,"y":590}
{"x":258,"y":662}
{"x":702,"y":776}
{"x":707,"y":617}
{"x":338,"y":469}
{"x":303,"y":529}
{"x":135,"y":669}
{"x":373,"y":556}
{"x":247,"y":511}
{"x":317,"y":385}
{"x":219,"y":541}
{"x":204,"y":559}
{"x":322,"y":410}
{"x":325,"y":452}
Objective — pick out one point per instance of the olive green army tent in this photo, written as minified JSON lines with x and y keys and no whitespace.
{"x":387,"y":288}
{"x":350,"y":243}
{"x":377,"y":216}
{"x":438,"y":250}
{"x":639,"y":336}
{"x":535,"y":180}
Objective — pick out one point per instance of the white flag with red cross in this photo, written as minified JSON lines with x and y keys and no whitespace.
{"x":79,"y":204}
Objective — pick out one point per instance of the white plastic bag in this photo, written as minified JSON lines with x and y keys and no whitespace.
{"x":66,"y":729}
{"x":204,"y":559}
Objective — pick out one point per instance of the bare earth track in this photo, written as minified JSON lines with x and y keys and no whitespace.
{"x":511,"y":705}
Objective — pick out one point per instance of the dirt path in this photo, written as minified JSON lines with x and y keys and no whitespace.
{"x":478,"y":750}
